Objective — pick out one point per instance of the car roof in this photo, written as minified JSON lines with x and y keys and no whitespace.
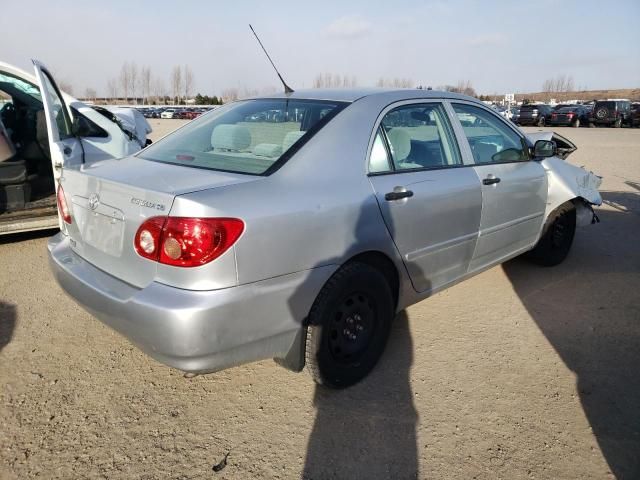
{"x":353,"y":94}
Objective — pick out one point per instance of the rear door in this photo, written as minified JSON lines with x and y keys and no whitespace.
{"x":64,"y":146}
{"x":514,"y":187}
{"x":431,"y":202}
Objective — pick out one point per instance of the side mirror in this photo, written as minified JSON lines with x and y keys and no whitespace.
{"x":81,"y":127}
{"x":544,"y":149}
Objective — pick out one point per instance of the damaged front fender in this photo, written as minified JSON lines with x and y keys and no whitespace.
{"x":566,"y":183}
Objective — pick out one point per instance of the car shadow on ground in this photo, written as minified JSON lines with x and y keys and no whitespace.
{"x":589,"y":310}
{"x":24,"y":236}
{"x":369,"y":429}
{"x":7,"y":323}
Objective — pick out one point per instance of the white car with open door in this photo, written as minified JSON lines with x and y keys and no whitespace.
{"x":42,"y":131}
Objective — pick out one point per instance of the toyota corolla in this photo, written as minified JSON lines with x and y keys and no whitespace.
{"x":295,"y":227}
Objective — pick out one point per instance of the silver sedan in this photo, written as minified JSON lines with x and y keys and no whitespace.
{"x":295,"y":227}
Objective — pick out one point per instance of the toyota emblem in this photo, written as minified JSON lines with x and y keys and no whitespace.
{"x":94,"y":201}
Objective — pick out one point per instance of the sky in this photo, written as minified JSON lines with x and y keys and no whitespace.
{"x":499,"y":46}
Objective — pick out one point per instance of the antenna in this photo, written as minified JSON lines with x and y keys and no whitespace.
{"x":287,"y":88}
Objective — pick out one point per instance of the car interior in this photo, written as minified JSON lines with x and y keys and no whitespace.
{"x":419,"y":138}
{"x":26,"y":177}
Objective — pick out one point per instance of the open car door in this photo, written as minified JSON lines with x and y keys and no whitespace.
{"x":64,"y":146}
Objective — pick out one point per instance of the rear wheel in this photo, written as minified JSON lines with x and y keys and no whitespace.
{"x":576,"y":123}
{"x":557,"y":237}
{"x":617,"y":123}
{"x":349,"y":325}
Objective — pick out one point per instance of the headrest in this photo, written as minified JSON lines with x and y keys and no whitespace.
{"x":291,"y":138}
{"x":400,"y":144}
{"x":230,"y":137}
{"x":270,"y":150}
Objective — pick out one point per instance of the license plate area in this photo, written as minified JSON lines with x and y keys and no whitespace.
{"x":101,"y":228}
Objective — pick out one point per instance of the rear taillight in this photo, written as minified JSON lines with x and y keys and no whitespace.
{"x":63,"y":208}
{"x":186,"y":242}
{"x":570,"y":114}
{"x":148,"y":236}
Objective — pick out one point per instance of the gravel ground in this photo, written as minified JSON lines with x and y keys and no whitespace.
{"x":520,"y":372}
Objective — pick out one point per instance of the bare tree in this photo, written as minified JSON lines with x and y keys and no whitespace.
{"x":65,"y":86}
{"x":134,"y":80}
{"x":125,"y":81}
{"x":559,"y":84}
{"x":188,"y":82}
{"x":145,"y":83}
{"x":230,"y":94}
{"x":395,"y":82}
{"x":331,"y":80}
{"x":159,"y":89}
{"x":90,"y":94}
{"x":112,"y":88}
{"x":176,"y":82}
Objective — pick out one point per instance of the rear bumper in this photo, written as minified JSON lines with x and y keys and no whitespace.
{"x":528,"y":121}
{"x":194,"y":331}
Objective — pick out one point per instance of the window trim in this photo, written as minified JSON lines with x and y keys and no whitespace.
{"x":459,"y":131}
{"x":378,"y":123}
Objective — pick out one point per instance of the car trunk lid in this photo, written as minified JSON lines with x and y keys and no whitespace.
{"x":111,"y":199}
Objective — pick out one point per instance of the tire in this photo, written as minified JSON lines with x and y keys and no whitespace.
{"x":576,"y":124}
{"x":349,"y":325}
{"x":557,"y":237}
{"x":617,"y":123}
{"x":541,"y":122}
{"x":592,"y":125}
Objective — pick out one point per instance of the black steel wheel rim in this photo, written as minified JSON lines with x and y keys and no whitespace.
{"x":560,"y":231}
{"x":352,"y":328}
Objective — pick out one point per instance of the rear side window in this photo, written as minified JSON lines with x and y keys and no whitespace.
{"x":490,"y":139}
{"x":416,"y":136}
{"x":252,"y":136}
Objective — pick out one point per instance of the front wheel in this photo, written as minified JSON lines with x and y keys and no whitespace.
{"x":541,"y":122}
{"x":349,"y":324}
{"x":618,"y":123}
{"x":557,"y":237}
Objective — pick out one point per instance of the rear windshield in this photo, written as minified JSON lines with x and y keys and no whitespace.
{"x":526,"y":108}
{"x":568,"y":109}
{"x":251,"y":136}
{"x":606,"y":104}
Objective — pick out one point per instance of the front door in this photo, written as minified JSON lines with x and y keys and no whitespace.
{"x":64,"y":146}
{"x":431,"y":202}
{"x":514,"y":187}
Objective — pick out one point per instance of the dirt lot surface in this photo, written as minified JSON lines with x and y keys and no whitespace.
{"x":520,"y":372}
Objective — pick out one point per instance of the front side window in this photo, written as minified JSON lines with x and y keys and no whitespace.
{"x":490,"y":139}
{"x":418,"y":136}
{"x":249,"y":136}
{"x":59,"y":110}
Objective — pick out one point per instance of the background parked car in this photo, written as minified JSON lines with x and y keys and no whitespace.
{"x":535,"y":114}
{"x":634,"y":115}
{"x":515,"y":114}
{"x":573,"y":115}
{"x":168,"y":113}
{"x":613,"y":113}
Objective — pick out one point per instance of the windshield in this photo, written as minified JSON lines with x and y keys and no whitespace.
{"x":21,"y":85}
{"x":244,"y":137}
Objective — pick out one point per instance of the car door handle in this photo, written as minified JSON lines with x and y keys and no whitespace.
{"x":490,"y":180}
{"x":398,"y":195}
